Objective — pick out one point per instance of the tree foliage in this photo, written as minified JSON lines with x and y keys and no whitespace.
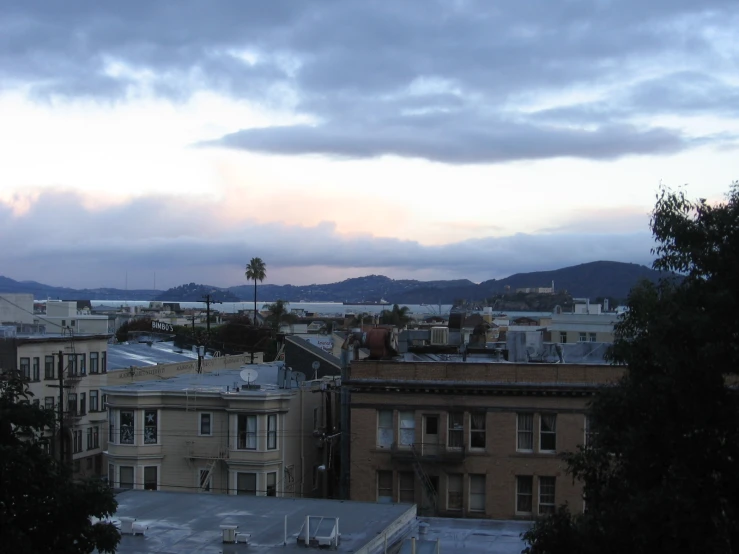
{"x":137,"y":324}
{"x":41,"y":508}
{"x":660,"y":474}
{"x":279,"y":313}
{"x":399,"y":317}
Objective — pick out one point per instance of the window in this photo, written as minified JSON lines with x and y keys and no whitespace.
{"x":48,"y":367}
{"x":150,"y":478}
{"x":272,"y":432}
{"x":94,"y":367}
{"x":105,"y":402}
{"x":524,"y":494}
{"x":127,"y":427}
{"x":385,"y":432}
{"x":546,"y":495}
{"x":82,"y":363}
{"x":36,"y":369}
{"x":563,"y":337}
{"x":456,"y":430}
{"x":71,"y":364}
{"x":247,"y":432}
{"x":582,"y":337}
{"x":150,"y":426}
{"x":126,"y":477}
{"x":591,"y":337}
{"x":432,"y":425}
{"x":111,"y":428}
{"x":77,"y":440}
{"x":64,"y":322}
{"x":204,"y":480}
{"x":407,"y":428}
{"x":96,"y":436}
{"x":111,"y":475}
{"x":384,"y":486}
{"x":477,"y":430}
{"x":454,"y":491}
{"x":588,"y":432}
{"x":406,"y":487}
{"x":49,"y":402}
{"x":548,"y":433}
{"x":89,"y":438}
{"x":94,"y":406}
{"x":73,"y":323}
{"x":477,"y":493}
{"x":83,"y":403}
{"x":272,"y":484}
{"x":104,"y":362}
{"x":246,"y":483}
{"x":205,"y":428}
{"x":72,"y":404}
{"x":88,"y":462}
{"x":525,"y":432}
{"x":26,"y":368}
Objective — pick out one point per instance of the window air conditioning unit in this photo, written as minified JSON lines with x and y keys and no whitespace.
{"x":440,"y":336}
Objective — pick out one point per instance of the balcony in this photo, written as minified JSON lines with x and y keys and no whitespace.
{"x":426,"y":452}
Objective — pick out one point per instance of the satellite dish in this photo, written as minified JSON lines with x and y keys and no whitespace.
{"x":316,"y":365}
{"x":249,"y":375}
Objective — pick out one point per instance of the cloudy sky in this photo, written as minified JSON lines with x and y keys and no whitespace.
{"x":336,"y":138}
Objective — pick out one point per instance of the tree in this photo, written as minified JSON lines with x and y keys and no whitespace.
{"x":660,"y":473}
{"x":279,"y":312}
{"x":41,"y":508}
{"x":398,"y":317}
{"x":256,"y":270}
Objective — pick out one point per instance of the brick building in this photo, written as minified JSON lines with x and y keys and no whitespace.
{"x":468,"y":439}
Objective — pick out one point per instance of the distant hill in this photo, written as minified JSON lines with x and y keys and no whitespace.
{"x":590,"y":280}
{"x":193,"y":292}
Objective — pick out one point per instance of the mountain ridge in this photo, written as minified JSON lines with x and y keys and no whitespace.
{"x":588,"y":280}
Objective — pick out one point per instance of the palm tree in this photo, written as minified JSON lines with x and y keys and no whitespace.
{"x":399,"y":317}
{"x":279,"y":312}
{"x":256,"y":270}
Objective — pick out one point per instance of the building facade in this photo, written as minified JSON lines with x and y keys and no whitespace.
{"x":481,"y":440}
{"x":216,"y":433}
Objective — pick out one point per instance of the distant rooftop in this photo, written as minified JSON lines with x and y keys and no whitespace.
{"x":138,"y":354}
{"x":190,"y":522}
{"x":468,"y":536}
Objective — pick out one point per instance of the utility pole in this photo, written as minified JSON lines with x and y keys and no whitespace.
{"x":61,"y":386}
{"x":207,"y":300}
{"x":196,"y":340}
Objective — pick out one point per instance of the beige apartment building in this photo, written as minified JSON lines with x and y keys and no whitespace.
{"x":218,"y":433}
{"x":469,"y":439}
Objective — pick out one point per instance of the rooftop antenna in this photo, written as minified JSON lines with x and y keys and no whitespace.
{"x":249,"y":375}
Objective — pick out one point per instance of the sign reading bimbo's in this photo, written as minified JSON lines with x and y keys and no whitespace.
{"x":161,"y":326}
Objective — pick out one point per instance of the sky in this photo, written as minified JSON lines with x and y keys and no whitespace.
{"x":149,"y":144}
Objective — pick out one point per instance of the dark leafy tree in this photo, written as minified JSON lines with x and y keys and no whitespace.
{"x":131,"y":326}
{"x":279,"y":313}
{"x":399,"y":317}
{"x":661,"y":473}
{"x":41,"y":508}
{"x":240,"y":335}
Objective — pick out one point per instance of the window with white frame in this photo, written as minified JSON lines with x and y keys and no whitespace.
{"x":582,"y":337}
{"x":72,"y":403}
{"x":477,"y":430}
{"x":563,"y":337}
{"x":406,"y":487}
{"x":525,"y":432}
{"x":94,"y":362}
{"x":407,"y":428}
{"x":272,"y":432}
{"x":524,"y":494}
{"x":455,"y":436}
{"x":49,"y":402}
{"x":548,"y":433}
{"x":246,"y":432}
{"x":205,"y":424}
{"x":454,"y":491}
{"x":89,"y":438}
{"x":125,"y":477}
{"x":246,"y":483}
{"x":94,"y":405}
{"x":104,"y":362}
{"x":25,"y":367}
{"x":591,"y":337}
{"x":96,"y":436}
{"x":546,"y":495}
{"x":36,"y":369}
{"x":477,"y":493}
{"x":49,"y":367}
{"x":151,"y":425}
{"x":126,"y":427}
{"x":384,"y":486}
{"x":82,"y":363}
{"x":71,"y":364}
{"x":83,"y":403}
{"x":385,"y":431}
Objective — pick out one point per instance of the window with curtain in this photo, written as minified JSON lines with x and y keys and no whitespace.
{"x":94,"y":367}
{"x":525,"y":430}
{"x":247,"y":432}
{"x":385,"y":432}
{"x":407,"y":428}
{"x":127,"y":427}
{"x":477,"y":430}
{"x":546,"y":495}
{"x":524,"y":494}
{"x":455,"y":437}
{"x":272,"y":432}
{"x":94,"y":404}
{"x":548,"y":433}
{"x":150,"y":426}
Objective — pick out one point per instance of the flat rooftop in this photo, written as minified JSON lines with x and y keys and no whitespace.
{"x":190,"y":522}
{"x":469,"y":536}
{"x":216,"y":382}
{"x":140,"y":354}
